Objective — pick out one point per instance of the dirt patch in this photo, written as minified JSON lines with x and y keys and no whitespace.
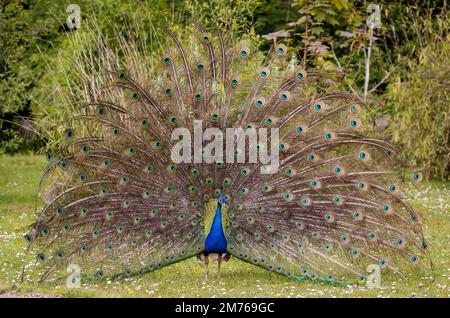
{"x":25,"y":295}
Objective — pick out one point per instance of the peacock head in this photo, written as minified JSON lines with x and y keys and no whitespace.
{"x":222,"y":199}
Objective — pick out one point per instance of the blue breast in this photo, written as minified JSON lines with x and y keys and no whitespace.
{"x":215,"y":241}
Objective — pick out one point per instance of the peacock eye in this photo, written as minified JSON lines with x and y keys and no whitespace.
{"x":354,"y":108}
{"x":63,"y":164}
{"x":417,"y":176}
{"x":101,"y":111}
{"x":69,"y":133}
{"x":337,"y":199}
{"x":281,"y":49}
{"x":45,"y":231}
{"x":354,"y":123}
{"x":145,"y":123}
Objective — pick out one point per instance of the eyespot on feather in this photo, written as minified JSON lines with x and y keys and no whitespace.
{"x":264,"y":73}
{"x":244,"y":52}
{"x":281,"y":49}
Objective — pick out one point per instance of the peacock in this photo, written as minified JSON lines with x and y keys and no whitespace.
{"x":118,"y":204}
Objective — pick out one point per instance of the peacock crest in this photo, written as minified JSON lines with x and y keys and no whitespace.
{"x":120,"y":206}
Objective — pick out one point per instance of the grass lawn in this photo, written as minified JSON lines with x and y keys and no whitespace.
{"x":19,"y":176}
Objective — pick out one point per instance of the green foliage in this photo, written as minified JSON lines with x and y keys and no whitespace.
{"x":34,"y":34}
{"x":61,"y":86}
{"x":274,"y":15}
{"x":235,"y":14}
{"x":11,"y":143}
{"x":13,"y":48}
{"x":421,"y":109}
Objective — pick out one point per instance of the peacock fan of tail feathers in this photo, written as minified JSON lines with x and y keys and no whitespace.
{"x":118,"y":205}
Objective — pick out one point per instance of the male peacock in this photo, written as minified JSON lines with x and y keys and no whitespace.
{"x":119,"y":206}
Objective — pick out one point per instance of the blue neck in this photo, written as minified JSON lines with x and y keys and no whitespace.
{"x":216,"y":241}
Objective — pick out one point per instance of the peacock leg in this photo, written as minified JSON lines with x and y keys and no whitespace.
{"x":227,"y":256}
{"x":206,"y":266}
{"x":219,"y":261}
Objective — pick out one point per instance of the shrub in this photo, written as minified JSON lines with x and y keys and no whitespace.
{"x":421,"y":121}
